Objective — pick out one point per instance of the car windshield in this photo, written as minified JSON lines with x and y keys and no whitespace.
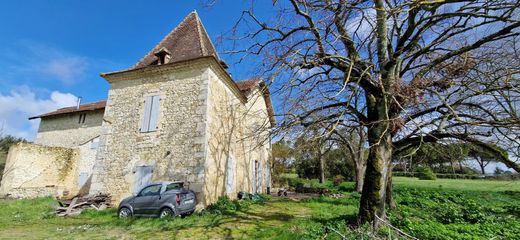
{"x":151,"y":190}
{"x":172,"y":186}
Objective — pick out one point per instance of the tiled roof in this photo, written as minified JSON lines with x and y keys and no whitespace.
{"x":189,"y":40}
{"x":82,"y":108}
{"x":246,"y":86}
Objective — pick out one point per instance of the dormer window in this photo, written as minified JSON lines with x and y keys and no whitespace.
{"x":163,"y":56}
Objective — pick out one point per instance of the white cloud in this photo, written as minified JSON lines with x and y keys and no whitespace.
{"x":22,"y":103}
{"x":66,"y":69}
{"x":35,"y":60}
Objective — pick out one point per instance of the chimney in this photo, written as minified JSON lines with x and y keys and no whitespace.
{"x":79,"y":102}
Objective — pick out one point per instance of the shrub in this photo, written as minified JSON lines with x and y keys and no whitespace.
{"x":337,"y":180}
{"x":346,"y":187}
{"x":294,"y":182}
{"x":425,"y":173}
{"x":225,"y":204}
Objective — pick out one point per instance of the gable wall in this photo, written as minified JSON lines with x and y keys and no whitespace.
{"x":231,"y":134}
{"x":176,"y":150}
{"x":65,"y":131}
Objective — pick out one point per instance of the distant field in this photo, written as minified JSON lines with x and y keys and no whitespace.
{"x":458,"y":184}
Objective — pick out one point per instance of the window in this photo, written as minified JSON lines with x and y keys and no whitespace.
{"x":151,"y":190}
{"x":151,"y":114}
{"x":172,"y":186}
{"x":230,"y":175}
{"x":163,"y":56}
{"x":82,"y":117}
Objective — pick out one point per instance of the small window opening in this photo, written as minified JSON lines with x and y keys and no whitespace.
{"x":82,"y":118}
{"x":163,"y":56}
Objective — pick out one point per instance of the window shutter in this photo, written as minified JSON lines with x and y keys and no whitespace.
{"x":146,"y":118}
{"x":154,"y":114}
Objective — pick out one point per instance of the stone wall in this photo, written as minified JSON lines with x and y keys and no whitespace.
{"x":65,"y":131}
{"x":237,"y":130}
{"x":203,"y":120}
{"x":176,"y":151}
{"x":35,"y":171}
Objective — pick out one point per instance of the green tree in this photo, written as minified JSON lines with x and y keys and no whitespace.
{"x":5,"y":143}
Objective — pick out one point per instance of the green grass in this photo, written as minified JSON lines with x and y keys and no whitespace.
{"x":458,"y":184}
{"x":441,"y":209}
{"x":277,"y":218}
{"x":457,"y":209}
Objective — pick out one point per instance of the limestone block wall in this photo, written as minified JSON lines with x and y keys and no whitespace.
{"x":176,"y":150}
{"x":238,"y":130}
{"x":34,"y":171}
{"x":87,"y":152}
{"x":257,"y":138}
{"x":65,"y":131}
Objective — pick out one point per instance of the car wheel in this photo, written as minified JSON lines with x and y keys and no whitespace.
{"x":124,"y":212}
{"x":166,"y":213}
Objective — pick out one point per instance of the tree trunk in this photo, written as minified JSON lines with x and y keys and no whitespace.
{"x":390,"y":188}
{"x":373,"y":196}
{"x":360,"y":175}
{"x":322,"y":169}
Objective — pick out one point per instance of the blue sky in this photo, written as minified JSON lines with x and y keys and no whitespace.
{"x":53,"y":51}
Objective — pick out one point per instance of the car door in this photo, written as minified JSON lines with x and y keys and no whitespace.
{"x":145,"y":202}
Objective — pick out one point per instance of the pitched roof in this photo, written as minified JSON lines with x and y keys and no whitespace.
{"x":189,"y":40}
{"x":246,"y":87}
{"x":82,"y":108}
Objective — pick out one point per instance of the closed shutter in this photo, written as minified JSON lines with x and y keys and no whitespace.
{"x":154,"y":114}
{"x":260,"y":178}
{"x":253,"y":176}
{"x":146,"y":118}
{"x":151,"y":114}
{"x":230,"y":175}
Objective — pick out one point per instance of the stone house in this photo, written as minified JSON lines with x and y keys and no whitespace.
{"x":175,"y":115}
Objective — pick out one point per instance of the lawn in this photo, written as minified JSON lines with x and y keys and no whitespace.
{"x":441,"y":209}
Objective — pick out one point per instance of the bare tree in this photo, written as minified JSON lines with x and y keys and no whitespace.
{"x":353,"y":140}
{"x":408,"y":72}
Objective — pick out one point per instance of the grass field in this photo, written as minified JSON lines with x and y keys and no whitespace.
{"x":441,"y":209}
{"x":458,"y":184}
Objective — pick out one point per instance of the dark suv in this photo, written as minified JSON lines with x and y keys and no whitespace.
{"x":166,"y":199}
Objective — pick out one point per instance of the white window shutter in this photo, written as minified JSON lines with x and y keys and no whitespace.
{"x":154,"y":113}
{"x":146,"y":118}
{"x":230,"y":175}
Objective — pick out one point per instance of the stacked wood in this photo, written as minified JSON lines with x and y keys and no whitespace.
{"x":75,"y":206}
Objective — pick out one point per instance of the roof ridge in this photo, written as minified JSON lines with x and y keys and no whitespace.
{"x":197,"y":20}
{"x":211,"y":42}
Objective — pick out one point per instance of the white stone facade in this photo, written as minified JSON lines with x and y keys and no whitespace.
{"x":66,"y":131}
{"x":193,"y":140}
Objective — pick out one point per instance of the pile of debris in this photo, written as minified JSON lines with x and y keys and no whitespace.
{"x":75,"y":206}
